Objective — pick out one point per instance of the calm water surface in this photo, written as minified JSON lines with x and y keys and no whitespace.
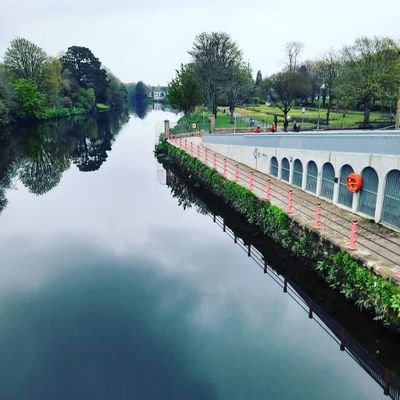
{"x":110,"y":290}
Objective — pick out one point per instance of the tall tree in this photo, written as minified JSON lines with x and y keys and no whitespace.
{"x":24,"y":59}
{"x":140,"y":92}
{"x":329,"y":68}
{"x":213,"y":54}
{"x":239,"y":86}
{"x":369,"y":65}
{"x":285,"y":88}
{"x":184,"y":91}
{"x":86,"y":69}
{"x":52,"y":79}
{"x":258,"y":78}
{"x":293,"y":50}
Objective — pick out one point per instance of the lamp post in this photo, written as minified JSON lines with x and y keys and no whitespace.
{"x":319,"y":103}
{"x":234,"y":124}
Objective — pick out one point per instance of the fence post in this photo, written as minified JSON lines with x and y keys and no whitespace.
{"x":318,"y":217}
{"x":386,"y":389}
{"x":215,"y":160}
{"x":268,"y":190}
{"x":185,"y":145}
{"x":180,"y":142}
{"x":206,"y":157}
{"x":191,"y":148}
{"x":285,"y":285}
{"x":353,"y":236}
{"x":290,"y":201}
{"x":198,"y":151}
{"x":224,"y":166}
{"x":265,"y":267}
{"x":343,"y":341}
{"x":310,"y":311}
{"x":236,"y":172}
{"x":249,"y":250}
{"x":251,"y":181}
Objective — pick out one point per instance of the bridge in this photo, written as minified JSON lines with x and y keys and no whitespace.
{"x":320,"y":162}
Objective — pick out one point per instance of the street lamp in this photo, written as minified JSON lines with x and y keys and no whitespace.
{"x":319,"y":102}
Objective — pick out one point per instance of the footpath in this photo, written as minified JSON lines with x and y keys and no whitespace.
{"x":376,"y":246}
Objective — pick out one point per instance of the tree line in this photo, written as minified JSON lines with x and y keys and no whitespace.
{"x":34,"y":85}
{"x":362,"y":76}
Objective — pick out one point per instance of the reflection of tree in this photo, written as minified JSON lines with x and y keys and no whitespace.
{"x":40,"y":153}
{"x":44,"y":163}
{"x":92,"y":148}
{"x":140,"y":108}
{"x":186,"y":198}
{"x":8,"y":165}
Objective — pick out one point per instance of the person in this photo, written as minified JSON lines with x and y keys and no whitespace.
{"x":285,"y":125}
{"x":273,"y":127}
{"x":258,"y":130}
{"x":296,"y":127}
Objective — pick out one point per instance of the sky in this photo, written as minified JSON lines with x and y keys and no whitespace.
{"x":148,"y":39}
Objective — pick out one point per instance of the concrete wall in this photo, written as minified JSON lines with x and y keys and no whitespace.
{"x":379,"y":150}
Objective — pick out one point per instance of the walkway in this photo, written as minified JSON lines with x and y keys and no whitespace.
{"x":377,"y":246}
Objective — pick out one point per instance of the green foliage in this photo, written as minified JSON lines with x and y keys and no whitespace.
{"x":214,"y":54}
{"x":75,"y":82}
{"x":286,"y":87}
{"x":184,"y":92}
{"x":375,"y":294}
{"x":29,"y":98}
{"x":370,"y":292}
{"x":140,"y":92}
{"x":25,"y":60}
{"x":86,"y":70}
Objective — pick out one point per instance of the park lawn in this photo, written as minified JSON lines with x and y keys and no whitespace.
{"x":201,"y":121}
{"x":266,"y":114}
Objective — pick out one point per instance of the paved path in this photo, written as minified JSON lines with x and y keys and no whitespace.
{"x":377,"y":246}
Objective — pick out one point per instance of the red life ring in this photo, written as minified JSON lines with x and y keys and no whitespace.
{"x":354,"y":182}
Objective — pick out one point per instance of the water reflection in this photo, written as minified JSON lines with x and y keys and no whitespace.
{"x":39,"y":154}
{"x":380,"y":359}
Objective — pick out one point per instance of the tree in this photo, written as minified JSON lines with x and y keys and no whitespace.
{"x":52,"y":81}
{"x":258,"y":79}
{"x":285,"y":88}
{"x":329,"y":68}
{"x":238,"y":86}
{"x":7,"y":99}
{"x":29,"y":98}
{"x":117,"y":93}
{"x":23,"y":59}
{"x":370,"y":65}
{"x":86,"y":69}
{"x":140,"y":92}
{"x":213,"y":55}
{"x":184,"y":91}
{"x":293,"y":49}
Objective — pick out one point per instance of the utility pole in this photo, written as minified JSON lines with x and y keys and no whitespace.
{"x":397,"y":126}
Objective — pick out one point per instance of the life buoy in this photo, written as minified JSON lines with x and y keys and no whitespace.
{"x":354,"y":182}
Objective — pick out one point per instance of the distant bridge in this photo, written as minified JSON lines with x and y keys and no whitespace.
{"x":320,"y":162}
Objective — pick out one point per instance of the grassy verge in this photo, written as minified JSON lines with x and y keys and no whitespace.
{"x":102,"y":107}
{"x":49,"y":113}
{"x":338,"y":119}
{"x":374,"y":294}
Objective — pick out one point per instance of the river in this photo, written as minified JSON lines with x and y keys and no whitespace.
{"x":111,"y":289}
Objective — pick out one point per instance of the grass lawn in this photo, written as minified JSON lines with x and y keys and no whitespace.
{"x":350,"y":118}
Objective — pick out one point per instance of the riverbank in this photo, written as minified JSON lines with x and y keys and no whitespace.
{"x":377,"y":296}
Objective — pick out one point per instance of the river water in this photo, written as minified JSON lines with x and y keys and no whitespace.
{"x":110,"y":289}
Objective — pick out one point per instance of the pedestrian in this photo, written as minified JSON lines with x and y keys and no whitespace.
{"x":285,"y":125}
{"x":273,"y":127}
{"x":258,"y":130}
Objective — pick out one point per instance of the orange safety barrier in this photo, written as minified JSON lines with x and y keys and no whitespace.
{"x":354,"y":182}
